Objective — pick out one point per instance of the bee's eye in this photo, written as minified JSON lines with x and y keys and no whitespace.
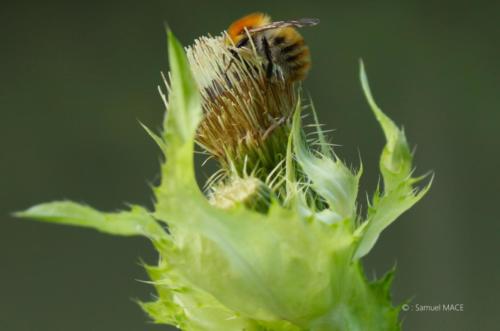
{"x":242,"y":43}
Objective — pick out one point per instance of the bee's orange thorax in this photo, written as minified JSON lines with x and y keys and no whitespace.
{"x":237,"y":30}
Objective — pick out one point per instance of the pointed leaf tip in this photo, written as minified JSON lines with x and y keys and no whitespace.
{"x":136,"y":221}
{"x":396,"y":167}
{"x":184,"y":110}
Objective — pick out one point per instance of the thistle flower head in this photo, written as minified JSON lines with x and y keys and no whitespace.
{"x":246,"y":115}
{"x":240,"y":259}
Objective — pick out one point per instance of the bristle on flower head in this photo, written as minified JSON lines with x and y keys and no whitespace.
{"x":246,"y":115}
{"x":236,"y":31}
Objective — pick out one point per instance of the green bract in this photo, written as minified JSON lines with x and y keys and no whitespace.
{"x":293,"y":265}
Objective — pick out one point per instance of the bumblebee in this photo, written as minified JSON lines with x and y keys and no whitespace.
{"x":280,"y":45}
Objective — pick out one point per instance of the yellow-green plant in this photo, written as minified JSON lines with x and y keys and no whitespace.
{"x":275,"y":241}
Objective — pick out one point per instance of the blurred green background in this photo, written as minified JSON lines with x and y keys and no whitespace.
{"x":77,"y":76}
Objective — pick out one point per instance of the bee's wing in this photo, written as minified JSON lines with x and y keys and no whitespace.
{"x":298,"y":23}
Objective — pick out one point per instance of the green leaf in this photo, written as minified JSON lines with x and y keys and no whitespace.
{"x":396,"y":158}
{"x":137,"y":221}
{"x":395,"y":165}
{"x":330,"y":177}
{"x":183,"y":115}
{"x":184,"y":101}
{"x":186,"y":307}
{"x":270,"y":267}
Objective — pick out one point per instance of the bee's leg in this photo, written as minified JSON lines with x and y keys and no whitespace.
{"x":269,"y":70}
{"x":235,"y":55}
{"x":267,"y":52}
{"x":229,"y":65}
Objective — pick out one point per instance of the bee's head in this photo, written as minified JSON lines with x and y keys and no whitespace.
{"x":236,"y":31}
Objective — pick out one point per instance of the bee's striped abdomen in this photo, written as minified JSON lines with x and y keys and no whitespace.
{"x":293,"y":53}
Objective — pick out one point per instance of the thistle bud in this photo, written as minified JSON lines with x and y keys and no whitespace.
{"x":250,"y":192}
